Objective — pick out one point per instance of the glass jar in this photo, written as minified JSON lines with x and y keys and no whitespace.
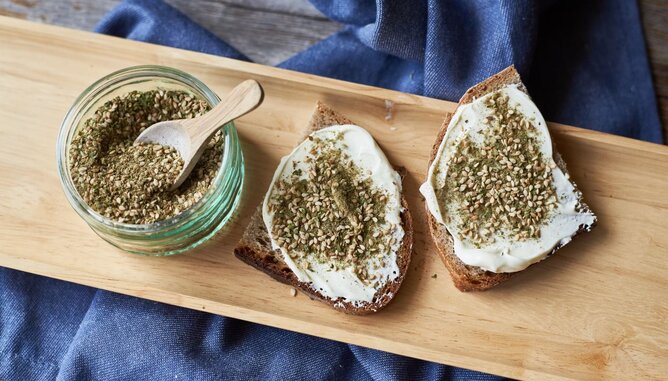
{"x":194,"y":225}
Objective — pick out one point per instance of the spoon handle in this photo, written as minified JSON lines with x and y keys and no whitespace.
{"x":241,"y":100}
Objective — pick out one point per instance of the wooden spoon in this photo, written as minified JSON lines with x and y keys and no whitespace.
{"x":189,"y":136}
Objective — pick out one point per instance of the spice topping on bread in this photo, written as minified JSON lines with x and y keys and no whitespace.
{"x":333,"y":210}
{"x":495,"y":186}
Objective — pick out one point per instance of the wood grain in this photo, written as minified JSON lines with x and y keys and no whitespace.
{"x":73,"y":13}
{"x":268,"y":32}
{"x":596,"y":310}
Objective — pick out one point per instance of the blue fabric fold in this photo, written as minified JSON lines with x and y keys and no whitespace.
{"x":159,"y":23}
{"x":51,"y":329}
{"x":584,"y":63}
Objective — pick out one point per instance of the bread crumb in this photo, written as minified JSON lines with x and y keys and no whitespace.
{"x":293,"y":292}
{"x":388,"y":108}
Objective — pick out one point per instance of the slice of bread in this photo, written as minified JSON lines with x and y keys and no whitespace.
{"x":256,"y":250}
{"x":471,"y":278}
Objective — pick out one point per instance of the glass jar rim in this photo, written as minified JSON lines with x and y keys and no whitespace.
{"x":82,"y":104}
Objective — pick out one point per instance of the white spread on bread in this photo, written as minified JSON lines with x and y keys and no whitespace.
{"x":365,"y":154}
{"x":504,"y":253}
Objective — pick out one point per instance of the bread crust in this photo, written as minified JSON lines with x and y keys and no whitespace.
{"x":255,"y":247}
{"x":473,"y":278}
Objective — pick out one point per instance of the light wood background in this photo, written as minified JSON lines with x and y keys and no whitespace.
{"x":289,"y":26}
{"x":596,"y":310}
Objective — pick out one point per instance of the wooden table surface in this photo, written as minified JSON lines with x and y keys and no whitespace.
{"x":289,"y":26}
{"x":596,"y":310}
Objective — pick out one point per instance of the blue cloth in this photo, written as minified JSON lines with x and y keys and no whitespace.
{"x":584,"y":63}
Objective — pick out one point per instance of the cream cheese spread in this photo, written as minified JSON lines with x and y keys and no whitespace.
{"x":504,"y":254}
{"x":365,"y":154}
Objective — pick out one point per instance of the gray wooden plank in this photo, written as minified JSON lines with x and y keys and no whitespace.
{"x":77,"y":14}
{"x":266,"y":31}
{"x":268,"y":35}
{"x":294,"y":7}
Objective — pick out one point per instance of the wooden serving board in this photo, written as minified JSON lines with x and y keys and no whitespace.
{"x":596,"y":310}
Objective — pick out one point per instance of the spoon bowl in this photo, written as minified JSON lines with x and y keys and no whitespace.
{"x":169,"y":133}
{"x":190,"y":136}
